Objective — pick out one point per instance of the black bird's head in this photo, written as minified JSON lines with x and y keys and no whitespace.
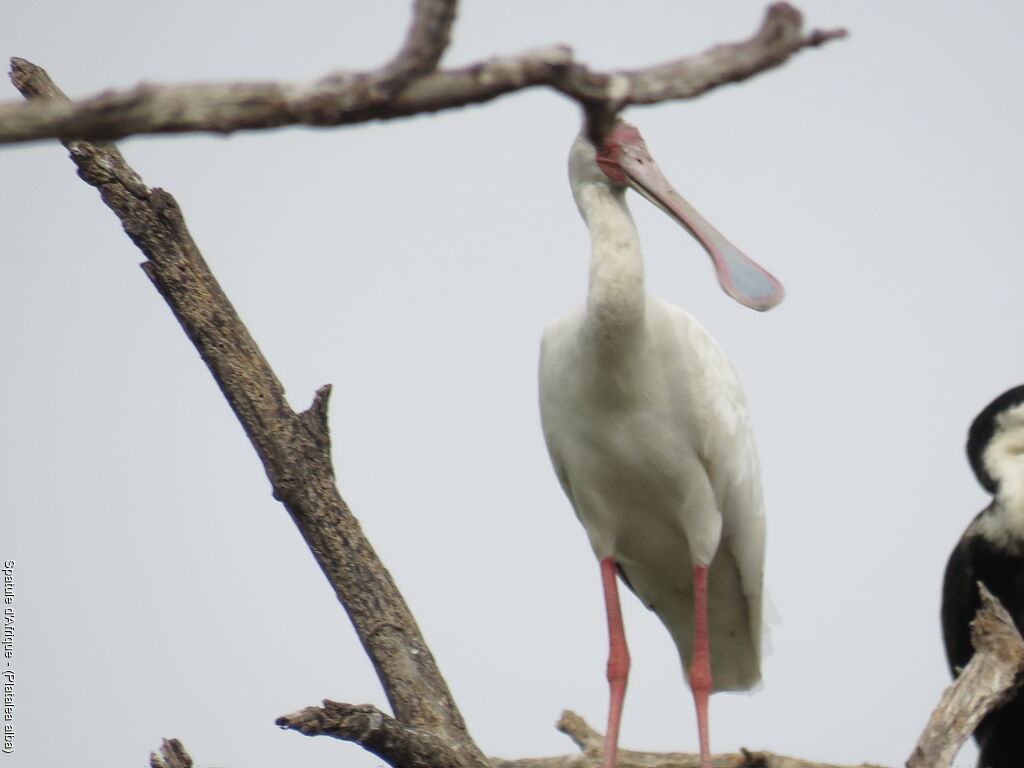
{"x":995,"y":442}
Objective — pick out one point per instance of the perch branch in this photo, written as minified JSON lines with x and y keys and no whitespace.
{"x":408,"y":86}
{"x":591,"y":744}
{"x":294,"y":447}
{"x":172,"y":755}
{"x":994,"y":672}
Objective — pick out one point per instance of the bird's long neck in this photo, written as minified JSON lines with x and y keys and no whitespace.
{"x":615,"y":299}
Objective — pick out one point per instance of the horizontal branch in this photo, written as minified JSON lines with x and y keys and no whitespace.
{"x":345,"y":98}
{"x":591,"y":744}
{"x":991,"y":676}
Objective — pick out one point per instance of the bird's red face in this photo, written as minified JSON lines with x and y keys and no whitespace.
{"x":623,"y":157}
{"x":622,"y":138}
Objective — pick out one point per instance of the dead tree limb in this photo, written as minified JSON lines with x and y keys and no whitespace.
{"x":395,"y":743}
{"x":591,"y":744}
{"x":409,"y":85}
{"x":294,"y":447}
{"x":172,"y":755}
{"x":990,"y":678}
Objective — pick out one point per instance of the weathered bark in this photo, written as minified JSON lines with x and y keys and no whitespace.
{"x":294,"y":447}
{"x":408,"y":86}
{"x":992,"y":675}
{"x":591,"y":744}
{"x":375,"y":731}
{"x":172,"y":755}
{"x":368,"y":725}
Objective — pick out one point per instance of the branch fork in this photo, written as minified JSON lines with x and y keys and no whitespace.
{"x":408,"y":85}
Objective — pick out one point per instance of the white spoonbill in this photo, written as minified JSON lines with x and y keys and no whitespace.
{"x":650,"y":437}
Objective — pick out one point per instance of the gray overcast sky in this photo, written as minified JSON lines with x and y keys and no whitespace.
{"x":162,"y":592}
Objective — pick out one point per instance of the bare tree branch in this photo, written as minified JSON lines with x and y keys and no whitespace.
{"x":398,"y":745}
{"x":428,"y":37}
{"x":375,"y":731}
{"x":172,"y":755}
{"x":294,"y":447}
{"x":344,"y":98}
{"x":994,"y":672}
{"x":592,"y":745}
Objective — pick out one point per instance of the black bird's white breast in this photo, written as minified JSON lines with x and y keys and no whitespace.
{"x":991,"y":551}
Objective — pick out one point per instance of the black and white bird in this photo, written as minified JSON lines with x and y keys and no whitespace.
{"x":992,"y":551}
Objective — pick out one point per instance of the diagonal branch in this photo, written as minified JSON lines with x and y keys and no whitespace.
{"x":294,"y":447}
{"x":994,"y":672}
{"x":345,"y":98}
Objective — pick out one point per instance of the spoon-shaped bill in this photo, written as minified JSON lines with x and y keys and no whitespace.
{"x":625,"y":158}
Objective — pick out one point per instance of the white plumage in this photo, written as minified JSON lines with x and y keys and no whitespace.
{"x":652,"y":445}
{"x":648,"y":429}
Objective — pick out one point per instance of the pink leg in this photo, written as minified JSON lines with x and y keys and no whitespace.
{"x":618,"y":661}
{"x":700,"y":666}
